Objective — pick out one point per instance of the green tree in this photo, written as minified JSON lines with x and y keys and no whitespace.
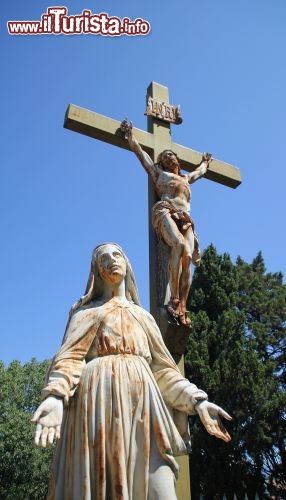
{"x":236,"y":350}
{"x":24,"y":469}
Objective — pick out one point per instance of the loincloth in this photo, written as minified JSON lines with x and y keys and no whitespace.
{"x":183,"y":221}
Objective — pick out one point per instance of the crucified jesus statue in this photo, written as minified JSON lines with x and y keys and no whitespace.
{"x":171,"y":218}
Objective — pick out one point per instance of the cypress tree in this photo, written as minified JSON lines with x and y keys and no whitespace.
{"x":236,"y":350}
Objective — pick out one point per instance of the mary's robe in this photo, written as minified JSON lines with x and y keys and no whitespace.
{"x":118,"y":382}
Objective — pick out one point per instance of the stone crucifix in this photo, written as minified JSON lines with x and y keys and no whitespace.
{"x":155,"y":141}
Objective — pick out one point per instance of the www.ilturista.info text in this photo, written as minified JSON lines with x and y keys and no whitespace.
{"x":56,"y":21}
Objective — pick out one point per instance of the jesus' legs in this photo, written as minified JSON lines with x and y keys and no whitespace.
{"x":175,"y":240}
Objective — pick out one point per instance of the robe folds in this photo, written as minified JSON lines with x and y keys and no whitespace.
{"x":125,"y":400}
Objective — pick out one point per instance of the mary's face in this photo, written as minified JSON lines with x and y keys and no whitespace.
{"x":111,"y":264}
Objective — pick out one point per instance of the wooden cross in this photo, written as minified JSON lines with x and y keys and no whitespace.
{"x":153,"y":142}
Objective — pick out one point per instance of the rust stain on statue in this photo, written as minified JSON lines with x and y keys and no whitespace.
{"x":119,"y":490}
{"x":118,"y":478}
{"x":159,"y":436}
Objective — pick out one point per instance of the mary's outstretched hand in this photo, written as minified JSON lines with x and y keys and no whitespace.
{"x":48,"y":418}
{"x":210,"y":414}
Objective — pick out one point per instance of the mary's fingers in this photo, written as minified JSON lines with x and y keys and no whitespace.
{"x":223,"y":433}
{"x":219,"y":434}
{"x":58,"y":432}
{"x":38,"y":433}
{"x":216,"y":429}
{"x":51,"y":435}
{"x":211,"y":429}
{"x":226,"y":436}
{"x":44,"y":436}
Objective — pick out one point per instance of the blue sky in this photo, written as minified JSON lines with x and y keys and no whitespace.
{"x":62,"y":193}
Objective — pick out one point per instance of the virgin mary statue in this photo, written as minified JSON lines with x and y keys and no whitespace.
{"x":114,"y":398}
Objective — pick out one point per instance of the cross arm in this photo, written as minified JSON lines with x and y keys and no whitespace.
{"x":103,"y":128}
{"x":108,"y":130}
{"x":218,"y":171}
